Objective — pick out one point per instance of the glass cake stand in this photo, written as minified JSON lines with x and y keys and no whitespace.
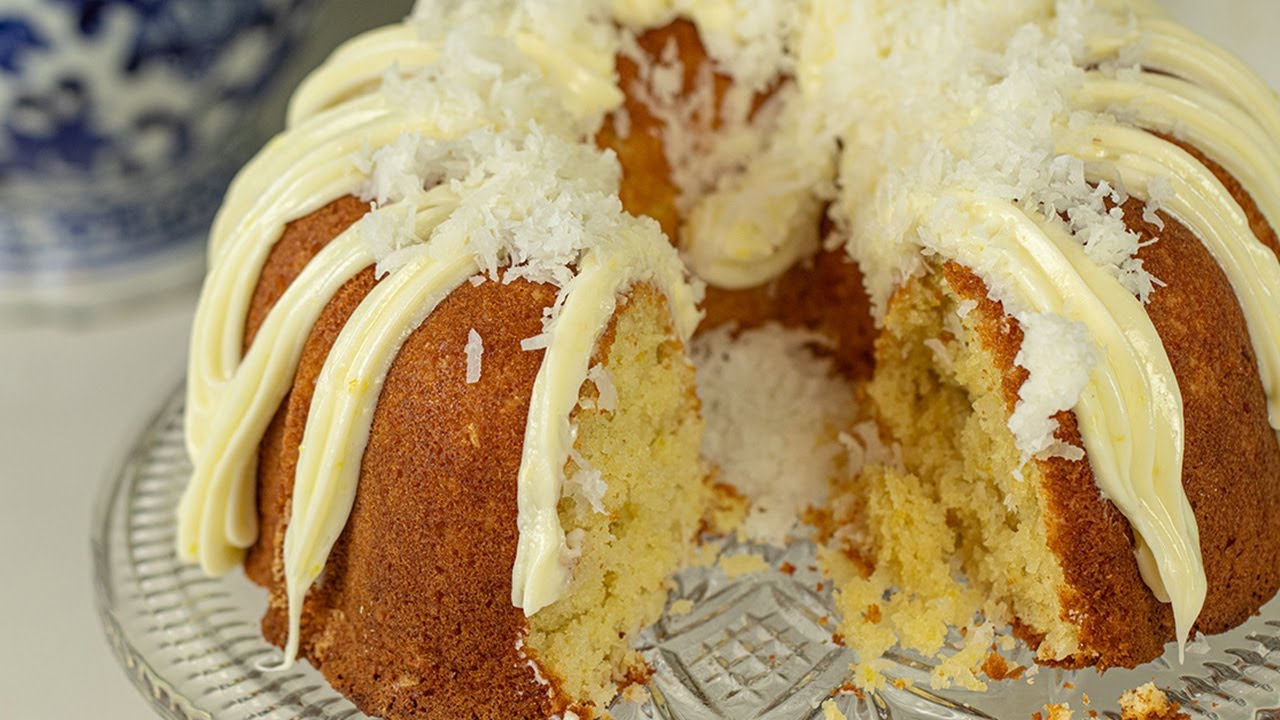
{"x":753,"y":646}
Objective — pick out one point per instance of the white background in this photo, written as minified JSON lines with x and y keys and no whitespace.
{"x":72,"y":399}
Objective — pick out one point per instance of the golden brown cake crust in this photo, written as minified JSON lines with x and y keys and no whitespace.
{"x":426,"y":556}
{"x":301,"y":240}
{"x":647,"y":187}
{"x":824,"y":293}
{"x":1231,"y":465}
{"x":299,"y":243}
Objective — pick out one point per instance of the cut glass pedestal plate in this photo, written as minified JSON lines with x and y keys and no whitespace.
{"x":754,"y":646}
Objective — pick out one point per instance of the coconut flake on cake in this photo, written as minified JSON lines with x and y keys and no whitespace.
{"x":777,"y":443}
{"x":1159,"y":193}
{"x":391,"y":236}
{"x":688,"y":116}
{"x":528,"y":200}
{"x":479,"y":80}
{"x":499,"y":130}
{"x":474,"y":351}
{"x":706,"y":140}
{"x":1060,"y":357}
{"x":980,"y":123}
{"x":606,"y":392}
{"x":981,"y":118}
{"x":750,"y":40}
{"x":569,"y":45}
{"x":586,"y":483}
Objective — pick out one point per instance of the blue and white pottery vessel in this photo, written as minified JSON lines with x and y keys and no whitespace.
{"x":121,"y":123}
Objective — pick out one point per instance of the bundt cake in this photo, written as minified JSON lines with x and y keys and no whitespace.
{"x":440,"y":403}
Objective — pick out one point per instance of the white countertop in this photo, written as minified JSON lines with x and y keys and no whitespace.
{"x":70,"y":403}
{"x":72,"y":400}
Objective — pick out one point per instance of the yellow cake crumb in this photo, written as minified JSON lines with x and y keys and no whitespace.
{"x":998,"y":668}
{"x":960,"y":669}
{"x":647,"y":452}
{"x":831,"y":712}
{"x":742,"y":564}
{"x":683,"y":606}
{"x":1148,"y":702}
{"x":1054,"y":711}
{"x":954,"y":525}
{"x":635,"y":693}
{"x":706,"y":553}
{"x":916,"y":554}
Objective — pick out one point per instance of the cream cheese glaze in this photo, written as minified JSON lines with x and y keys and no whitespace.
{"x":302,"y":170}
{"x":541,"y":569}
{"x":225,"y":470}
{"x":1135,"y":159}
{"x":1176,"y":108}
{"x":745,"y":231}
{"x":1165,"y":46}
{"x":584,"y":72}
{"x":1130,"y":413}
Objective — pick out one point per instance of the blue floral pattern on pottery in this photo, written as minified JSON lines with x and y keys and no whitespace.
{"x":122,"y":121}
{"x":17,"y":38}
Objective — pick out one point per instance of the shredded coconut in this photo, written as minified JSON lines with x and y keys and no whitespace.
{"x":777,"y":444}
{"x":529,"y":56}
{"x":982,"y":117}
{"x":749,"y":39}
{"x":607,"y":393}
{"x":586,"y":482}
{"x":1159,"y":193}
{"x":538,"y":342}
{"x":688,"y":116}
{"x":474,"y":351}
{"x":529,"y":198}
{"x":1062,"y":357}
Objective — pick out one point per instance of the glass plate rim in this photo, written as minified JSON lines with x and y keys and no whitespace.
{"x":170,"y":702}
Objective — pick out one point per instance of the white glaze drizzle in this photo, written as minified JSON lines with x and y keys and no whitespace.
{"x":541,"y":570}
{"x":298,"y":172}
{"x":224,"y":472}
{"x":1218,"y":128}
{"x":583,"y":73}
{"x":308,"y":167}
{"x":341,"y":413}
{"x":1134,"y":159}
{"x":1165,"y":46}
{"x":1130,"y":413}
{"x":357,"y":67}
